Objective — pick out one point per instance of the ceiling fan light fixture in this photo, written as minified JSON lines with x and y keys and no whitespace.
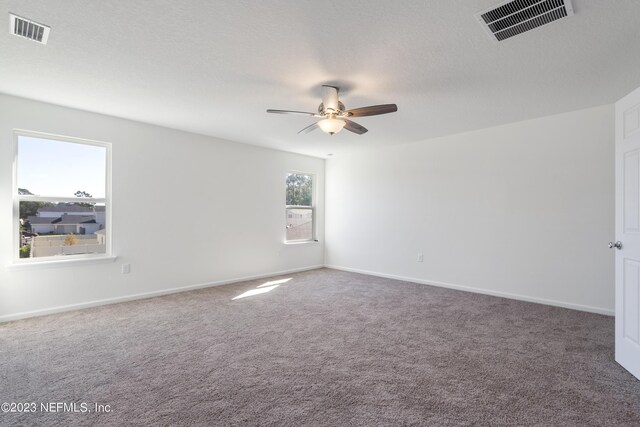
{"x":331,"y":125}
{"x":335,"y":117}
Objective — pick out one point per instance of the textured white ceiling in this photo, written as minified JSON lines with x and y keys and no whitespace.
{"x":214,"y":67}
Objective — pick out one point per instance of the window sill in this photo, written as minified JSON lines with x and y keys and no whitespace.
{"x":302,"y":242}
{"x":38,"y":265}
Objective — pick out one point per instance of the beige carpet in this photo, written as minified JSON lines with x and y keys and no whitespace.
{"x":325,"y":348}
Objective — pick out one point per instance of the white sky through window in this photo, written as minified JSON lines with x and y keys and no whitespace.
{"x":58,"y":168}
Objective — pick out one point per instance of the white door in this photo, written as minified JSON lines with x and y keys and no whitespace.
{"x":627,"y":246}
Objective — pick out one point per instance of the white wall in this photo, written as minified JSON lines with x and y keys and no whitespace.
{"x":221,"y":203}
{"x":524,"y":210}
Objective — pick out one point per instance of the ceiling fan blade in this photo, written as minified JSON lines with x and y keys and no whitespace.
{"x":373,"y":110}
{"x":330,"y":97}
{"x":309,"y":128}
{"x":354,"y":127}
{"x":304,"y":113}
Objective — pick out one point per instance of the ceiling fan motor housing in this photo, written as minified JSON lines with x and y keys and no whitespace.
{"x":322,"y":111}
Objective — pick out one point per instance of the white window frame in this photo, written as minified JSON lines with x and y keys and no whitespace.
{"x":312,"y":208}
{"x":17,"y":198}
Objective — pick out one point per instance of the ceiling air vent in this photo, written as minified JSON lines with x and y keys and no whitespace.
{"x":28,"y":29}
{"x":514,"y":17}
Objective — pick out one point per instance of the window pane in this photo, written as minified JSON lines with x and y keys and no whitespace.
{"x":299,"y":224}
{"x":299,"y":189}
{"x":58,"y":229}
{"x":58,"y":168}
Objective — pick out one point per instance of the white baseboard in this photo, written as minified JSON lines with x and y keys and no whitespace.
{"x":579,"y":307}
{"x":95,"y":303}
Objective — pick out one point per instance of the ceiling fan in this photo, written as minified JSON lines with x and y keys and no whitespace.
{"x":334,"y":115}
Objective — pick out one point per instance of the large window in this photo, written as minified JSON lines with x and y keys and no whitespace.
{"x":300,"y":208}
{"x":61,"y":198}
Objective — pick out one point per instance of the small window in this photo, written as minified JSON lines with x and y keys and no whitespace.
{"x":300,"y":210}
{"x":62,"y":200}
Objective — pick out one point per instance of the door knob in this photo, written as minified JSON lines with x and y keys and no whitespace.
{"x":617,"y":245}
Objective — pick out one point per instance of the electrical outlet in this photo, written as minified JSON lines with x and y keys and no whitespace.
{"x":420,"y":257}
{"x":126,"y":268}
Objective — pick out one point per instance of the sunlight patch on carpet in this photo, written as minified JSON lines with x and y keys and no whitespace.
{"x":258,"y":291}
{"x":274,"y":282}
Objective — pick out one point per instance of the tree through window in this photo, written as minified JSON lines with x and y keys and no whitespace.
{"x":299,"y":207}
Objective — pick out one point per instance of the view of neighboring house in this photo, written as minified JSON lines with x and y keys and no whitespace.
{"x":65,"y":218}
{"x":52,"y":225}
{"x":65,"y":224}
